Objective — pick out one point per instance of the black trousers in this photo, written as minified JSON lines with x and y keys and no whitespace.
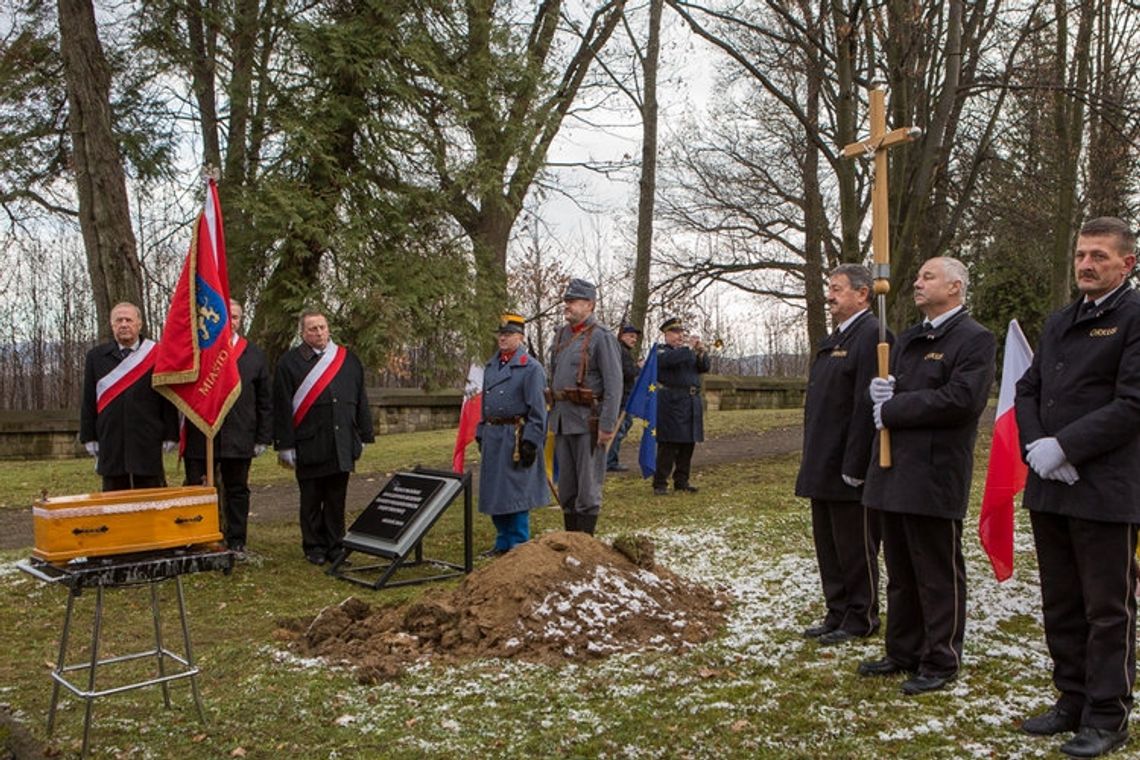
{"x":233,"y":475}
{"x":926,"y":592}
{"x":322,"y":513}
{"x":675,"y":458}
{"x":128,"y":482}
{"x":1088,"y":573}
{"x":847,"y":536}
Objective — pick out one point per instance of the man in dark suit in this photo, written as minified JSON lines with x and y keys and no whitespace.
{"x":321,"y":423}
{"x":838,"y":432}
{"x":1078,"y":413}
{"x":680,"y":416}
{"x":943,"y":369}
{"x":627,"y":340}
{"x":246,"y":433}
{"x":123,"y":422}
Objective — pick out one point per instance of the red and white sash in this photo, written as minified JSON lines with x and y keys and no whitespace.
{"x":108,"y":388}
{"x":317,"y":380}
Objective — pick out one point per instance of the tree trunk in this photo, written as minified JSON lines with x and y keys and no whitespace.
{"x":104,"y":212}
{"x":814,"y":219}
{"x":647,"y":185}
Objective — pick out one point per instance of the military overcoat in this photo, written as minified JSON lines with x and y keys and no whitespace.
{"x":680,"y":415}
{"x":511,"y":390}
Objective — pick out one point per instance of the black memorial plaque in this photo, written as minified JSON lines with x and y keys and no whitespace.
{"x":388,"y":515}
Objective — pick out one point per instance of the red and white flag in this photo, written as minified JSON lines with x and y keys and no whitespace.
{"x":1006,"y":474}
{"x":195,"y":363}
{"x":469,"y":416}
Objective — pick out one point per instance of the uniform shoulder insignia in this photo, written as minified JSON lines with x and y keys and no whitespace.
{"x":522,"y":360}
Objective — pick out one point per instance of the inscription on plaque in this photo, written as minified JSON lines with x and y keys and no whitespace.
{"x":389,"y":514}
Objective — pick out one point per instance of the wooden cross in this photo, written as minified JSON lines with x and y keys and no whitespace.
{"x":877,"y":145}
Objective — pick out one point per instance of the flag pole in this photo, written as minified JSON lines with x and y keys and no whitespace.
{"x":210,"y":460}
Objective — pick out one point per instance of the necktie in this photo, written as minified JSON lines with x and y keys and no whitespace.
{"x":928,"y":325}
{"x":124,"y":353}
{"x":1087,"y":307}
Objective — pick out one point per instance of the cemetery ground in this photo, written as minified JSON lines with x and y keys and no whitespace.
{"x":758,"y":689}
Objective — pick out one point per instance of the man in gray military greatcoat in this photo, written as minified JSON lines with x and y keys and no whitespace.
{"x":510,"y":434}
{"x":586,"y":385}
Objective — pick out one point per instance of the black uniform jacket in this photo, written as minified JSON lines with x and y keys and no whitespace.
{"x":329,"y":438}
{"x":250,"y":419}
{"x":680,"y":418}
{"x":629,"y":372}
{"x":1083,"y":388}
{"x":943,"y":378}
{"x":130,"y":430}
{"x":838,"y":425}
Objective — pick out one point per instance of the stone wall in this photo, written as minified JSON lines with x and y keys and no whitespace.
{"x":54,"y":434}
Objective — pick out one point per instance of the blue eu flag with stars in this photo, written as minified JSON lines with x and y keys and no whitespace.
{"x":643,"y":404}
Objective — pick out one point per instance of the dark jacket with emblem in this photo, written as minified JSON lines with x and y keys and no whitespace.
{"x":602,"y":376}
{"x":130,"y":430}
{"x":942,"y":381}
{"x":680,"y":416}
{"x":250,"y":419}
{"x":839,"y":429}
{"x":330,"y":437}
{"x":514,"y":389}
{"x":1083,"y":388}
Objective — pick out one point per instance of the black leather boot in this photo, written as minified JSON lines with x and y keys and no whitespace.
{"x":570,"y":520}
{"x":587,"y":523}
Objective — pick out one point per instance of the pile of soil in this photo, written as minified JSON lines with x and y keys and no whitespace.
{"x":563,"y":596}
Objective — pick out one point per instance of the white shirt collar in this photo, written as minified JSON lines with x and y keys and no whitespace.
{"x":850,"y":320}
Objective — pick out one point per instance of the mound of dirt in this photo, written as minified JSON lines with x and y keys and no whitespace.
{"x":561,"y":596}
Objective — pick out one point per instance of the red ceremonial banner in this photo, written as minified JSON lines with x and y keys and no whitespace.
{"x":1006,"y":474}
{"x":196,"y":364}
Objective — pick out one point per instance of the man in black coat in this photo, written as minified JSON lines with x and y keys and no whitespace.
{"x":943,"y":369}
{"x":627,"y":341}
{"x":680,"y":418}
{"x":123,"y":422}
{"x":838,"y":432}
{"x":321,"y":423}
{"x":1078,"y":413}
{"x":246,"y":432}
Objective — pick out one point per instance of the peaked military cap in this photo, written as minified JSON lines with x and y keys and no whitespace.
{"x":579,"y":288}
{"x":629,"y":329}
{"x":672,"y":323}
{"x":512,"y":323}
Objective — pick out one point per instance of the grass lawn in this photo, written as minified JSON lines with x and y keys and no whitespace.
{"x":760,"y":690}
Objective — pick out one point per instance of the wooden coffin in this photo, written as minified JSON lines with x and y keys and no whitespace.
{"x":121,"y":522}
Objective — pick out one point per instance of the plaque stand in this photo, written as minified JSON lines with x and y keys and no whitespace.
{"x":406,"y":549}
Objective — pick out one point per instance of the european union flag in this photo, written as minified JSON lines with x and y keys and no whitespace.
{"x":643,"y":403}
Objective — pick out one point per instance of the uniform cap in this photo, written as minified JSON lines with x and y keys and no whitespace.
{"x":583,"y":289}
{"x":512,"y":323}
{"x":672,"y":323}
{"x":629,"y":329}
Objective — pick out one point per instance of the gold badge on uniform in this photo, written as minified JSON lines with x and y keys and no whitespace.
{"x":838,"y":353}
{"x":933,"y":356}
{"x":1102,"y":332}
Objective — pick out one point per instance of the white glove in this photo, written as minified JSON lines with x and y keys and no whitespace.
{"x":259,"y":449}
{"x":882,"y":389}
{"x":288,"y":457}
{"x":1066,"y":473}
{"x":1045,"y":455}
{"x":878,"y":414}
{"x":92,"y":448}
{"x":169,"y":446}
{"x":853,"y":482}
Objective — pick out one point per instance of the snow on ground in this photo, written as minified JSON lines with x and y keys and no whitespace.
{"x":776,"y":595}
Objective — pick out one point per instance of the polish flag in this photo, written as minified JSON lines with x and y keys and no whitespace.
{"x":1006,"y":473}
{"x":469,"y":416}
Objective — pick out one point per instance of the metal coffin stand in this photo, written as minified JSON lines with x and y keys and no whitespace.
{"x":149,"y":569}
{"x":399,"y":553}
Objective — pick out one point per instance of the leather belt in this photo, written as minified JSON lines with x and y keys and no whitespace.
{"x":503,"y":420}
{"x":692,"y":390}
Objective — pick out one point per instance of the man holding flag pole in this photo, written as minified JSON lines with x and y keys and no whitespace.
{"x":1078,"y":412}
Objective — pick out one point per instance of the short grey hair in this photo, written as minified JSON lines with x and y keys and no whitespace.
{"x":956,"y":270}
{"x":858,"y":275}
{"x":305,"y":314}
